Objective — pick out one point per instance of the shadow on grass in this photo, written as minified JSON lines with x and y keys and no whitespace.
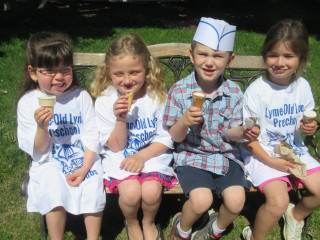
{"x":113,"y":219}
{"x":99,"y":18}
{"x":112,"y":224}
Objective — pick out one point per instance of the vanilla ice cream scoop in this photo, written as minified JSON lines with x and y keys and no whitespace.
{"x":309,"y":116}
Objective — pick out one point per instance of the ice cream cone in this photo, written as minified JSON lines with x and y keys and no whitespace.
{"x":48,"y":102}
{"x":250,"y":122}
{"x":198,"y":98}
{"x":309,"y":116}
{"x":130,"y":98}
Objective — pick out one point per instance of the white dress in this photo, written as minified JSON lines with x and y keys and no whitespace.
{"x":280,"y":109}
{"x":144,"y":126}
{"x":71,"y":130}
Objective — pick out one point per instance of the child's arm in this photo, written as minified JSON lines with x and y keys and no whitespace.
{"x":42,"y":139}
{"x":242,"y":132}
{"x":76,"y":178}
{"x":135,"y":162}
{"x":118,"y":137}
{"x":276,"y":163}
{"x":179,"y":130}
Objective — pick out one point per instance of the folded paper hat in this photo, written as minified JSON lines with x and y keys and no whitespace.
{"x":215,"y":34}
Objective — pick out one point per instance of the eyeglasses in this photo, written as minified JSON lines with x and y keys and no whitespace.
{"x":52,"y":72}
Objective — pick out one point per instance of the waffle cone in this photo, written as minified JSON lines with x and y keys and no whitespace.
{"x":48,"y":102}
{"x":198,"y":98}
{"x":130,"y":98}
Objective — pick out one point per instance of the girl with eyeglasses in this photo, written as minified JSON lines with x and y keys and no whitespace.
{"x":66,"y":172}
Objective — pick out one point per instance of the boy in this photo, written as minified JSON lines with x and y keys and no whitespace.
{"x":205,"y":158}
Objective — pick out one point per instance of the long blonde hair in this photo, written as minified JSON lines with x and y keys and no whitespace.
{"x":131,"y":44}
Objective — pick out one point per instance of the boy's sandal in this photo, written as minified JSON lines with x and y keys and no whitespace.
{"x":160,"y":233}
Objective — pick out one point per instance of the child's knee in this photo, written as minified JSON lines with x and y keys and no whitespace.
{"x":234,"y":200}
{"x":152,"y":195}
{"x":201,"y":201}
{"x":234,"y":205}
{"x":129,"y":196}
{"x":278,"y":204}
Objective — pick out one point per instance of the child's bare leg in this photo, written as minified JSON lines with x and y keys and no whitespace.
{"x":269,"y":213}
{"x":233,"y":202}
{"x":151,"y":199}
{"x":56,"y":222}
{"x":200,"y":200}
{"x":129,"y":202}
{"x":311,"y":201}
{"x":93,"y":225}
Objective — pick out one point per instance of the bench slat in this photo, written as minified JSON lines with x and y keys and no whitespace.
{"x":88,"y":59}
{"x":247,"y":62}
{"x":178,"y":190}
{"x":172,"y":49}
{"x":169,"y":49}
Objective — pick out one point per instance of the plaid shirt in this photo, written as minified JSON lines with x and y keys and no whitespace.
{"x":206,"y":145}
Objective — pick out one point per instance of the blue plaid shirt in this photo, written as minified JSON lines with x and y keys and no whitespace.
{"x":206,"y":145}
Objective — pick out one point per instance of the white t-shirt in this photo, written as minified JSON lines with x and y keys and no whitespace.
{"x":280,"y":109}
{"x":144,"y":126}
{"x":72,"y":128}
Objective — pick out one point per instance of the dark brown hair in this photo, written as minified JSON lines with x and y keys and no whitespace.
{"x":47,"y":50}
{"x":292,"y":33}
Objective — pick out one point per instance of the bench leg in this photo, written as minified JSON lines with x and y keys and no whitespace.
{"x":43,"y":227}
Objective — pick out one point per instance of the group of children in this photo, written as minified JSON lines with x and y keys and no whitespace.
{"x":82,"y":146}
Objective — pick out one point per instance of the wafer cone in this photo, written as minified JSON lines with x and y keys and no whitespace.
{"x":309,"y":116}
{"x":250,"y":122}
{"x":198,"y":98}
{"x":48,"y":102}
{"x":130,"y":98}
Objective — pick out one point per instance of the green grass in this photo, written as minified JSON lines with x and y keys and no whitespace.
{"x":15,"y":223}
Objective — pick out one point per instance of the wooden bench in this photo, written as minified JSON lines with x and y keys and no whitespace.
{"x":174,"y":58}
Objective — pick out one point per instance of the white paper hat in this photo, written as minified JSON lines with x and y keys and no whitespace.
{"x":215,"y":34}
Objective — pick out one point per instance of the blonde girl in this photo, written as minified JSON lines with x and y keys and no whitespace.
{"x":279,"y":99}
{"x":136,"y":154}
{"x":66,"y":172}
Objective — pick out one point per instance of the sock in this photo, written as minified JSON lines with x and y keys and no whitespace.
{"x":183,"y":233}
{"x":215,"y":229}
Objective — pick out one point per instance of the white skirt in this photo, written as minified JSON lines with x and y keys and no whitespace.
{"x":260,"y":172}
{"x":48,"y":189}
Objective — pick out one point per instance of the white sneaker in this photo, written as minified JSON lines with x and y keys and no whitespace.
{"x":247,"y":233}
{"x":292,"y":230}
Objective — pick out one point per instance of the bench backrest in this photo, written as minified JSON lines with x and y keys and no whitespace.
{"x":174,"y":57}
